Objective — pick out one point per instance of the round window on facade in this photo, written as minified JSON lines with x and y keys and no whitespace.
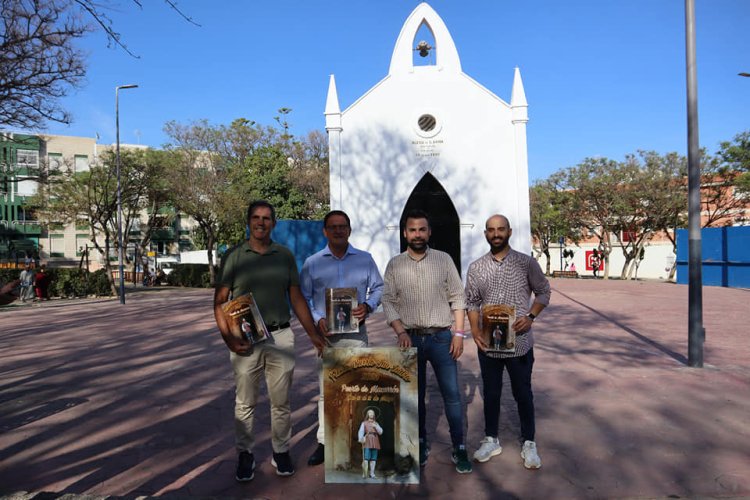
{"x":427,"y":123}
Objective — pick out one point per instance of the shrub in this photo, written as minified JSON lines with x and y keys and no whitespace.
{"x":68,"y":282}
{"x":190,"y":275}
{"x":98,"y":283}
{"x":7,"y":275}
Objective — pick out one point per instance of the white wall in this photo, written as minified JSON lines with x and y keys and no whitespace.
{"x":656,"y":263}
{"x":476,"y":152}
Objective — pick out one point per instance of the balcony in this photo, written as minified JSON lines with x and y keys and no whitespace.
{"x":20,"y":228}
{"x":163,"y":234}
{"x":29,"y":227}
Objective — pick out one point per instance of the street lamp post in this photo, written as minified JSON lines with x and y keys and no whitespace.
{"x":119,"y":190}
{"x":696,"y":333}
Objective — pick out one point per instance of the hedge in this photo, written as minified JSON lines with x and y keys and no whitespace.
{"x":190,"y":275}
{"x":68,"y":282}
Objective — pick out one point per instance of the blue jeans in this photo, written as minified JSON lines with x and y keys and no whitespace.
{"x":435,"y":348}
{"x":519,"y":370}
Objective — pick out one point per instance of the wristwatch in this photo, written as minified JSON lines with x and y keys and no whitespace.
{"x":531,"y":316}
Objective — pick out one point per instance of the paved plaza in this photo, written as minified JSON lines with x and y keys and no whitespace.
{"x":101,"y":399}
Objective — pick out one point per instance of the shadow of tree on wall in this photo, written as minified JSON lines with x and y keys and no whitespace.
{"x":382,"y":187}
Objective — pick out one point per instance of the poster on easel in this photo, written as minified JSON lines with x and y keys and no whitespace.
{"x":371,"y":420}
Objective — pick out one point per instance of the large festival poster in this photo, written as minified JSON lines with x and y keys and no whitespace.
{"x":371,"y":415}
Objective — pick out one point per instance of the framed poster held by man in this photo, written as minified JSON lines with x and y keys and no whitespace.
{"x":371,"y":420}
{"x":497,"y":327}
{"x":340,"y":302}
{"x":244,"y":319}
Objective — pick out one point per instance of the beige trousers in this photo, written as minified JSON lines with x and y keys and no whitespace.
{"x":274,"y":359}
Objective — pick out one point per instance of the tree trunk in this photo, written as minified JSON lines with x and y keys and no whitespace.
{"x":549,"y":260}
{"x":210,"y":242}
{"x":606,"y":250}
{"x":627,"y":267}
{"x":115,"y":290}
{"x":104,"y":252}
{"x":632,"y":266}
{"x":673,"y":271}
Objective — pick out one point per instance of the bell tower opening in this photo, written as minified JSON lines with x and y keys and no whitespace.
{"x":425,"y":49}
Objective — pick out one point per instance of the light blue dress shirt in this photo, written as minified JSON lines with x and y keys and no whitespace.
{"x":356,"y":269}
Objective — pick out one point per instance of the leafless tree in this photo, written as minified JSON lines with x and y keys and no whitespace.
{"x":38,"y":61}
{"x":39,"y":58}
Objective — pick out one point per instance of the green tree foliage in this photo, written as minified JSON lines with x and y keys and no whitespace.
{"x":665,"y":196}
{"x":594,"y":202}
{"x":202,"y":183}
{"x":735,"y":155}
{"x":725,"y":183}
{"x":219,"y":169}
{"x":91,"y":196}
{"x":627,"y":203}
{"x":550,"y":217}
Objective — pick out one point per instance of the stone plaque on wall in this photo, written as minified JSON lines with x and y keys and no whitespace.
{"x":370,"y":404}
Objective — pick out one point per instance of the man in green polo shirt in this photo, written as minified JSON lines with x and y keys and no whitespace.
{"x":269,"y":271}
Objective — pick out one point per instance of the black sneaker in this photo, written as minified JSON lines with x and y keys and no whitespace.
{"x":318,"y":456}
{"x":245,"y":467}
{"x":283,"y":464}
{"x":424,"y":452}
{"x":461,"y":459}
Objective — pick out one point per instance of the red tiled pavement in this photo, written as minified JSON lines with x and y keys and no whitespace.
{"x":108,"y":400}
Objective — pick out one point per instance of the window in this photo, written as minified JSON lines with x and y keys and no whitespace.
{"x":82,"y":163}
{"x":427,"y":123}
{"x":57,"y":245}
{"x":82,"y":242}
{"x":27,"y":158}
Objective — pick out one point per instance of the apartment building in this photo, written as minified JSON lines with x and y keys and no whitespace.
{"x":23,"y":158}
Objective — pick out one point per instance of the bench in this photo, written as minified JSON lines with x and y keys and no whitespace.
{"x":564,"y":274}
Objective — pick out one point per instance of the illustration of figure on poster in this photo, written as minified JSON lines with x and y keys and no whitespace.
{"x":373,"y":423}
{"x":341,"y":319}
{"x":368,"y":436}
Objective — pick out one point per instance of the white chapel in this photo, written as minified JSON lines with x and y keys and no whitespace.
{"x":428,"y":136}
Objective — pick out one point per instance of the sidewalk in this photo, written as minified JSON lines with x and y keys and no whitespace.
{"x":101,"y":399}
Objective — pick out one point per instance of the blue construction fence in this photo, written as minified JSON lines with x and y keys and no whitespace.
{"x":726,"y":256}
{"x":303,"y":237}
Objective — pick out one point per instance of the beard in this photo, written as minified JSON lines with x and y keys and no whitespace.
{"x":498,"y":246}
{"x":417,"y":245}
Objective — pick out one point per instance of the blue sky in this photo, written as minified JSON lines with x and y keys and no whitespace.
{"x":602,"y":77}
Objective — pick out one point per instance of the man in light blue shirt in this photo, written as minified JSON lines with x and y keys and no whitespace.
{"x":339,"y":265}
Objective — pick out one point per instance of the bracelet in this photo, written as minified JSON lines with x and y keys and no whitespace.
{"x":460,"y":333}
{"x":402,"y":333}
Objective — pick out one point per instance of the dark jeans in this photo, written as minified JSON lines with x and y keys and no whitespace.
{"x":435,"y":348}
{"x":519,"y":370}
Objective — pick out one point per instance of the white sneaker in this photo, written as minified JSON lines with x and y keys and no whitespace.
{"x":489,"y":447}
{"x":530,"y":457}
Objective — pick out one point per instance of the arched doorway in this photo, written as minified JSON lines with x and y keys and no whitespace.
{"x":429,"y":195}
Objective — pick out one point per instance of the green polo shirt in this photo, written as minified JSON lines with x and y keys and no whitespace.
{"x":268,"y":276}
